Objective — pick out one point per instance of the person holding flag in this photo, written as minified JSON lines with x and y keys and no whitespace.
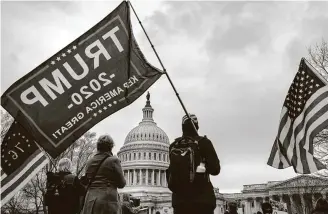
{"x":192,"y":160}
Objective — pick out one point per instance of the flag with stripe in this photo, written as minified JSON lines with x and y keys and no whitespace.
{"x":21,"y":160}
{"x":304,"y":114}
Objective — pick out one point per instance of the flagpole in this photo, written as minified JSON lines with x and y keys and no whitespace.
{"x":45,"y":153}
{"x":160,"y":61}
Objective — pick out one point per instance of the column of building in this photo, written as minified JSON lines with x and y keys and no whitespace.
{"x":132,"y":175}
{"x":257,"y":204}
{"x":147,"y":176}
{"x":248,"y":207}
{"x":303,"y":203}
{"x":292,"y":204}
{"x":153,"y":177}
{"x":313,"y":200}
{"x":324,"y":194}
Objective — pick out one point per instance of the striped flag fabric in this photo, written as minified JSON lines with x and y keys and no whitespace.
{"x":304,"y":114}
{"x":21,"y":160}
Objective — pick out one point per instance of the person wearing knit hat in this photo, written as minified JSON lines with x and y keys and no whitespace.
{"x":190,"y":125}
{"x":192,"y":116}
{"x":203,"y":201}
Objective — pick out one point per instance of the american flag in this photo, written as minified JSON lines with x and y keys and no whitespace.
{"x":21,"y":160}
{"x":304,"y":114}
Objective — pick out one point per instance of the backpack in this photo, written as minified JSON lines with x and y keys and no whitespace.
{"x":59,"y":188}
{"x":184,"y":158}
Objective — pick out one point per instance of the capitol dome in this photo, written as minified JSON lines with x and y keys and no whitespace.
{"x":144,"y":157}
{"x":146,"y":132}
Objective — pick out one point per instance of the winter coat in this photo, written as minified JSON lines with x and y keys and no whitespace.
{"x":102,"y":196}
{"x":70,"y":200}
{"x":212,"y":164}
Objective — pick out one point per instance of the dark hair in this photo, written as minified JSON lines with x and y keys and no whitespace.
{"x":105,"y":143}
{"x":321,"y":205}
{"x":259,"y":212}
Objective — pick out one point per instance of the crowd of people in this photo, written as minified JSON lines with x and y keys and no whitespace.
{"x":321,"y":207}
{"x":192,"y":159}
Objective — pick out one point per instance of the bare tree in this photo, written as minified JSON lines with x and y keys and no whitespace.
{"x":318,"y":57}
{"x":79,"y":153}
{"x":321,"y":150}
{"x":6,"y":121}
{"x":33,"y":193}
{"x":17,"y":205}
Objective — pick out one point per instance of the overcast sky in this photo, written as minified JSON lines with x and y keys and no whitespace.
{"x":232,"y":63}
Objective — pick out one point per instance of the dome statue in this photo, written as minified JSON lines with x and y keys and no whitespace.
{"x":147,"y":130}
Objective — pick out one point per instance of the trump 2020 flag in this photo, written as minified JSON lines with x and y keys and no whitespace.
{"x":93,"y":77}
{"x":304,"y":114}
{"x":21,"y":160}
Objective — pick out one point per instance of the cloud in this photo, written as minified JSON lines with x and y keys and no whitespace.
{"x":235,"y":77}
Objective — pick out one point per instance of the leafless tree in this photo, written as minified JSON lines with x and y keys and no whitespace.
{"x":33,"y":193}
{"x":318,"y":57}
{"x":17,"y":205}
{"x":79,"y":153}
{"x":6,"y":121}
{"x":321,"y":150}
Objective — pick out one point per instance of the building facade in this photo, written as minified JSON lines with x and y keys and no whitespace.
{"x":144,"y":157}
{"x":295,"y":195}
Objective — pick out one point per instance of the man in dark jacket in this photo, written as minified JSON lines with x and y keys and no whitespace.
{"x":204,"y":201}
{"x":65,"y":199}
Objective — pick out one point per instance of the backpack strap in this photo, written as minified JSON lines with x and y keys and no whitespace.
{"x":67,"y":179}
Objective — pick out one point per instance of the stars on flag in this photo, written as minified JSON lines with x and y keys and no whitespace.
{"x":302,"y":88}
{"x":104,"y":109}
{"x":17,"y":145}
{"x":64,"y":54}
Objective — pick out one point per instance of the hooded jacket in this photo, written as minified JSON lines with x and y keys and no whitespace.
{"x":212,"y":164}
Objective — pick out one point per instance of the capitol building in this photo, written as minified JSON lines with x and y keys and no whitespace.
{"x":144,"y":157}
